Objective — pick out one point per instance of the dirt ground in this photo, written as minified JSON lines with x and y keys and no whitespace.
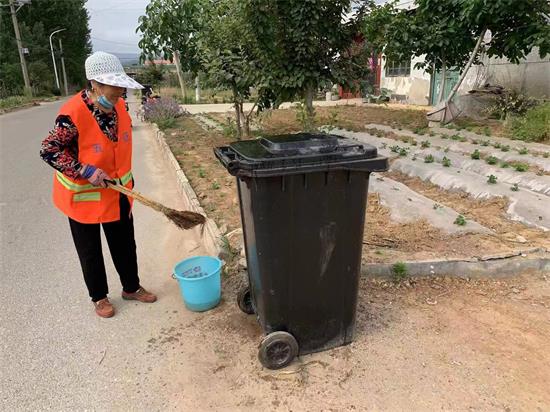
{"x":422,"y":345}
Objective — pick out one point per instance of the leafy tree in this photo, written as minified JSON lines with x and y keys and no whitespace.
{"x":227,"y":51}
{"x":304,"y":45}
{"x":169,"y":28}
{"x":36,"y":21}
{"x":450,"y":33}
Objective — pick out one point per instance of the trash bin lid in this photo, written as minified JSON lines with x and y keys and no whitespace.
{"x":298,"y":153}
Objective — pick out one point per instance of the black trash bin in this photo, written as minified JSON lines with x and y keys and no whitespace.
{"x":303,"y":200}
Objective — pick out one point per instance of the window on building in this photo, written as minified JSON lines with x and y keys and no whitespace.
{"x":399,"y":68}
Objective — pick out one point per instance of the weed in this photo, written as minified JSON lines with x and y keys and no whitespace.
{"x":492,"y":179}
{"x":475,"y":141}
{"x":444,"y":136}
{"x":436,"y":206}
{"x":492,"y":160}
{"x":429,"y":159}
{"x":487,"y":131}
{"x":405,"y":139}
{"x":496,"y":145}
{"x":460,"y":220}
{"x":399,"y":271}
{"x":413,"y":142}
{"x":419,"y":130}
{"x":546,"y":155}
{"x":446,"y":150}
{"x":395,"y":149}
{"x":521,"y":167}
{"x":403,"y":152}
{"x":432,"y":134}
{"x":505,"y":165}
{"x":202,"y":173}
{"x":475,"y":155}
{"x":446,"y":161}
{"x":413,"y":158}
{"x":425,"y":144}
{"x":505,"y":148}
{"x":485,"y":143}
{"x":463,"y":139}
{"x":215,"y":185}
{"x":533,"y":125}
{"x":515,"y":188}
{"x":523,"y":151}
{"x":456,"y":137}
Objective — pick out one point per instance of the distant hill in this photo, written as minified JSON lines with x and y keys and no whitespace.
{"x":127,"y":59}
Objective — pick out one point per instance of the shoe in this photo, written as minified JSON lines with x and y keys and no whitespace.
{"x":104,"y":308}
{"x":140,"y":295}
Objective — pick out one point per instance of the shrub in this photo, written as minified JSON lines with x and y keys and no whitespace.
{"x":510,"y":103}
{"x":163,"y":112}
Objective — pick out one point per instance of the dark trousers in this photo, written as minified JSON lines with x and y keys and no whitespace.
{"x":122,"y":245}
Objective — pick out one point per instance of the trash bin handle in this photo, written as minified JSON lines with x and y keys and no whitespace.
{"x":227,"y":157}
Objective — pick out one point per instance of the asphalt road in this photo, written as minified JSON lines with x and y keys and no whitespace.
{"x":55,"y":352}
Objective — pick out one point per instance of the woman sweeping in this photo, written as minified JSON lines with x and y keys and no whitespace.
{"x":91,"y":144}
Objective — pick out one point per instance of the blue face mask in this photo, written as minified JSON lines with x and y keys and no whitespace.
{"x":102,"y":100}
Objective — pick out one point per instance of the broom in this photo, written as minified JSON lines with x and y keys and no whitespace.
{"x":182,"y":219}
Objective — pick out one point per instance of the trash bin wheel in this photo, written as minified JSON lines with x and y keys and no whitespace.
{"x":278,"y":350}
{"x":244,"y":300}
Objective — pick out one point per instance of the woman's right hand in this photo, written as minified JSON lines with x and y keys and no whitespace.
{"x":95,"y":176}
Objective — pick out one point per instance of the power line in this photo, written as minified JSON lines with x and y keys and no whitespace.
{"x":114,"y":42}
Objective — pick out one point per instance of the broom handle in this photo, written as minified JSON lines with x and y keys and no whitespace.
{"x":129,"y":192}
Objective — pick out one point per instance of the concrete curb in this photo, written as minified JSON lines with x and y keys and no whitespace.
{"x":211,"y":235}
{"x":475,"y":268}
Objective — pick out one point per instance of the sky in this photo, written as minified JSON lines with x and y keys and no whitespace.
{"x":113,"y":24}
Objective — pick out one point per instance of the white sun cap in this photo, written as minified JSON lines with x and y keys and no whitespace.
{"x":106,"y":68}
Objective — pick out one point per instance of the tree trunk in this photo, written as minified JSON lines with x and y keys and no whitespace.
{"x":443,"y":80}
{"x":309,"y":92}
{"x":180,"y":75}
{"x":197,"y":89}
{"x":467,"y":67}
{"x":238,"y":112}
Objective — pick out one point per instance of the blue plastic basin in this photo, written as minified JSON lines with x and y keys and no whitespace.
{"x":199,"y":278}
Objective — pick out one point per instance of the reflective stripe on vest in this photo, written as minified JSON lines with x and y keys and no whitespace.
{"x":87,"y":197}
{"x":76,"y":187}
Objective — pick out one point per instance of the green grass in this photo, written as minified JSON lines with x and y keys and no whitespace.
{"x":13,"y":102}
{"x":533,"y":126}
{"x":399,"y":271}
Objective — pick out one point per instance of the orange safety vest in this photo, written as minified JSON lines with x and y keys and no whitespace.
{"x":79,"y":199}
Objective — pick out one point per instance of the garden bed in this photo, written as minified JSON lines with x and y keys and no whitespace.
{"x":385,"y":240}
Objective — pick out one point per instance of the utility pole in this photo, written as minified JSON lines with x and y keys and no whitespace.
{"x":63,"y":68}
{"x":28,"y":90}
